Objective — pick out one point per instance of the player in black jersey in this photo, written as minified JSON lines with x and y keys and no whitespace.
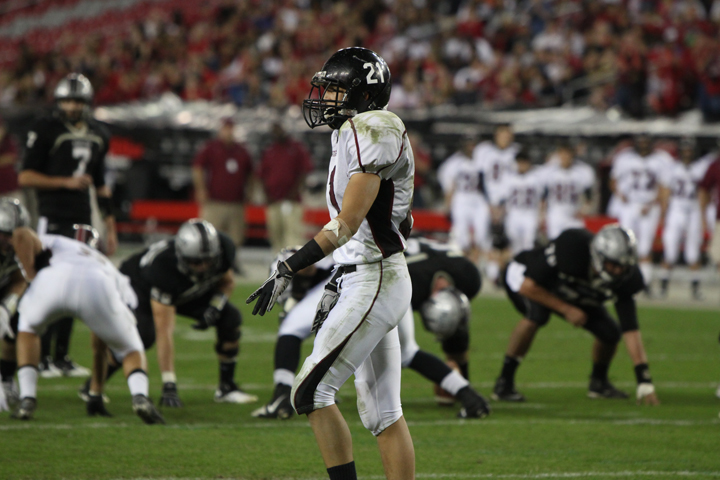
{"x":190,"y":275}
{"x":64,"y":157}
{"x":573,"y":277}
{"x":12,"y":286}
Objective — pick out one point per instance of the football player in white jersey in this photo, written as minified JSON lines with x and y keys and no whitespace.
{"x":682,"y":214}
{"x":460,"y":179}
{"x":69,"y":277}
{"x":523,"y":191}
{"x":496,"y":159}
{"x":634,"y":179}
{"x":369,"y":196}
{"x":568,"y":192}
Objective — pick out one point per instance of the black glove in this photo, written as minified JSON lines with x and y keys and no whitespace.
{"x":170,"y":396}
{"x":269,"y":291}
{"x":214,"y":310}
{"x":96,"y":406}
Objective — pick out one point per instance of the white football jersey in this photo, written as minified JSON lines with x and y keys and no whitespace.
{"x":72,"y":254}
{"x":682,"y":180}
{"x":637,"y":177}
{"x":494,"y":163}
{"x":459,"y":174}
{"x":565,"y":186}
{"x":523,"y":191}
{"x":373,"y":142}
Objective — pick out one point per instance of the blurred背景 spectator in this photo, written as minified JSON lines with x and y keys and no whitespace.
{"x":221,"y":170}
{"x":283,"y":167}
{"x":8,"y":164}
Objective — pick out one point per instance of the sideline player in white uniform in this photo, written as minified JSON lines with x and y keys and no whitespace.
{"x":460,"y":179}
{"x":443,"y":282}
{"x":635,"y":180}
{"x":682,"y":214}
{"x":369,"y":195}
{"x":568,"y":191}
{"x":523,"y":191}
{"x":69,"y":277}
{"x":495,"y":160}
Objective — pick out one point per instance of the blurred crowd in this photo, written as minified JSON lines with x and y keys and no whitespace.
{"x":649,"y":57}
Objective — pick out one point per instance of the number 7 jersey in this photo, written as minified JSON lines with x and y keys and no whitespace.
{"x":373,"y":142}
{"x":58,"y":149}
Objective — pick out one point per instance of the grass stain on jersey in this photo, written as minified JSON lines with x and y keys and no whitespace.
{"x":376,"y":124}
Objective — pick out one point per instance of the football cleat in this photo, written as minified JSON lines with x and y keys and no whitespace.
{"x":96,"y":406}
{"x":604,"y":389}
{"x":230,"y":393}
{"x":70,"y":368}
{"x":145,"y":409}
{"x":12,"y":396}
{"x":84,"y":393}
{"x":504,"y":391}
{"x":26,"y":409}
{"x":279,"y":406}
{"x":48,"y":369}
{"x":474,"y":404}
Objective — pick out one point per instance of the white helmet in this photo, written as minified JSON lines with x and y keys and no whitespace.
{"x":616,"y":245}
{"x":445,"y":311}
{"x":197,"y":241}
{"x":12,"y":215}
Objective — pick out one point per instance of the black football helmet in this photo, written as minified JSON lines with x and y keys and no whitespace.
{"x":361,"y":73}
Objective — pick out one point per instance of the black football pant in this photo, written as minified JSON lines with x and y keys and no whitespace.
{"x":60,"y":331}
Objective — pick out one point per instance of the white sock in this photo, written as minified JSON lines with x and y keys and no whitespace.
{"x":646,"y":269}
{"x":492,"y":269}
{"x":453,"y":383}
{"x":28,"y":377}
{"x":286,"y":377}
{"x":138,"y":383}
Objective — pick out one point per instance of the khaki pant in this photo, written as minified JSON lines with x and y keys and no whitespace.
{"x":226,"y":217}
{"x":715,"y":245}
{"x":285,"y":224}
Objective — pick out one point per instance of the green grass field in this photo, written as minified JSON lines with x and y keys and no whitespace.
{"x":557,"y":433}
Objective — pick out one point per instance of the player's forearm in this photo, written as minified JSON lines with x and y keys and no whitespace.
{"x":164,"y":318}
{"x":636,"y":349}
{"x":226,"y":284}
{"x":33,"y":179}
{"x":703,"y":198}
{"x":540,"y":295}
{"x":26,"y":246}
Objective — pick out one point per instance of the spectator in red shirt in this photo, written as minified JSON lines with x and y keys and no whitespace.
{"x":221,"y":171}
{"x":282,"y":170}
{"x":8,"y":163}
{"x":710,"y":190}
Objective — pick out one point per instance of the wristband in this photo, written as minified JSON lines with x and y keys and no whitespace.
{"x":169,"y":377}
{"x":218,"y":301}
{"x":106,"y":207}
{"x":309,"y":254}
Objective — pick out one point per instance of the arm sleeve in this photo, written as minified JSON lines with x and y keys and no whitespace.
{"x":538,"y":266}
{"x":373,"y":146}
{"x":160,"y":289}
{"x":37,"y":149}
{"x":99,"y":173}
{"x":627,"y":314}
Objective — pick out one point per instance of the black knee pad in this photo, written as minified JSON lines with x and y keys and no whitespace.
{"x":458,"y":342}
{"x":603,"y":326}
{"x":228,"y":329}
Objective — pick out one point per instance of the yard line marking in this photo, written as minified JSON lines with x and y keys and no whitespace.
{"x":640,"y":473}
{"x":411,"y":423}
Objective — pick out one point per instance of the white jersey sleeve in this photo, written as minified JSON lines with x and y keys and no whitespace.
{"x":378,"y":143}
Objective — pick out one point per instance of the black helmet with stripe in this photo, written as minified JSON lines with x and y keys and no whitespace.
{"x":197,"y":246}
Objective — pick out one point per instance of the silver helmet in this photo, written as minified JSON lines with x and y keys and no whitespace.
{"x":86,"y":234}
{"x":445,"y":311}
{"x":12,"y":215}
{"x":196,"y":242}
{"x":614,"y":245}
{"x":74,"y":86}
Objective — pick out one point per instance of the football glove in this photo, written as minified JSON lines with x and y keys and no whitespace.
{"x":327,"y":302}
{"x":96,"y":406}
{"x":170,"y":396}
{"x":5,"y":328}
{"x":269,"y":291}
{"x":645,"y":394}
{"x":213,"y":312}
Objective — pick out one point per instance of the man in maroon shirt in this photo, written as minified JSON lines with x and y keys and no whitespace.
{"x":221,"y":171}
{"x":8,"y":161}
{"x":282,"y":170}
{"x":709,"y":190}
